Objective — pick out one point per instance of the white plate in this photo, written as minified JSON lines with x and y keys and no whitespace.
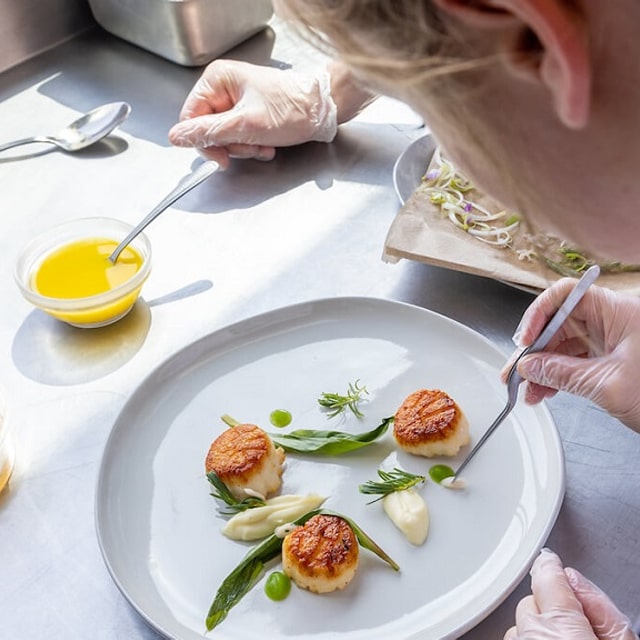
{"x":411,"y":165}
{"x":159,"y":530}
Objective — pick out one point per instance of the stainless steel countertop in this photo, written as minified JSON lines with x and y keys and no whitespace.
{"x":310,"y":224}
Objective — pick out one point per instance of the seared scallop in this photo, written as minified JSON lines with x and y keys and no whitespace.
{"x":430,"y":423}
{"x":246,"y":460}
{"x":321,"y":555}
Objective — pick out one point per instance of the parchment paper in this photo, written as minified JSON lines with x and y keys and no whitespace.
{"x":420,"y":232}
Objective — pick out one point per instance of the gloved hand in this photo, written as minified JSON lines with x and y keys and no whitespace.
{"x":242,"y":110}
{"x":564,"y":605}
{"x":595,"y":354}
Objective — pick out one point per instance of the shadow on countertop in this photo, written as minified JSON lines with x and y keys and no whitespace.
{"x":362,"y":153}
{"x":96,"y":68}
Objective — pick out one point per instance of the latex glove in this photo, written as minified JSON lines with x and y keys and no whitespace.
{"x":564,"y":605}
{"x":242,"y":110}
{"x":595,"y":354}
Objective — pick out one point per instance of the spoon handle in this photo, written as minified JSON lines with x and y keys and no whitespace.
{"x":191,"y":181}
{"x":17,"y":143}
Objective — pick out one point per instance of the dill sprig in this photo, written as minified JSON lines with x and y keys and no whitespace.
{"x":223,"y":494}
{"x":337,"y":403}
{"x":395,"y":480}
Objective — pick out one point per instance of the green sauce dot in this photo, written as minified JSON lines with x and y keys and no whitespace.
{"x":277,"y":586}
{"x":280,"y":418}
{"x":441,"y":471}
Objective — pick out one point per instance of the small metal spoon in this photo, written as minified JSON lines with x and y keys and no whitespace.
{"x":84,"y":131}
{"x":192,"y":180}
{"x":514,"y":378}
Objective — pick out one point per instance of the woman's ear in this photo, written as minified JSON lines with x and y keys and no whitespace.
{"x":551,"y":47}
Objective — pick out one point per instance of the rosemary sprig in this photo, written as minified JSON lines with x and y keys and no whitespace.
{"x":240,"y":581}
{"x":337,"y":403}
{"x":223,"y":494}
{"x":395,"y":480}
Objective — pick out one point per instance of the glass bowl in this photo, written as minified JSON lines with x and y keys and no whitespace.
{"x":6,"y":446}
{"x":94,"y":310}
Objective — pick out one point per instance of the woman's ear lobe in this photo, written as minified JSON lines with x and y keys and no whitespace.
{"x":567,"y":74}
{"x":549,"y":46}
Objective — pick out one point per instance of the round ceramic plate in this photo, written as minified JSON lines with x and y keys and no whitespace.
{"x":411,"y":165}
{"x":159,"y":528}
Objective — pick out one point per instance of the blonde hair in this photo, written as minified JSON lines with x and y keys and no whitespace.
{"x":412,"y":50}
{"x":391,"y":43}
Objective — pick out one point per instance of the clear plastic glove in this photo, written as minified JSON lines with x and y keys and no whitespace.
{"x":595,"y":354}
{"x":564,"y":605}
{"x":242,"y":110}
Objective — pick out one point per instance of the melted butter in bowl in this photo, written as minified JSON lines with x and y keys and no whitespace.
{"x":67,"y":273}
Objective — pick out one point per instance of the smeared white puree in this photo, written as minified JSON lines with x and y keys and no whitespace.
{"x":261,"y":522}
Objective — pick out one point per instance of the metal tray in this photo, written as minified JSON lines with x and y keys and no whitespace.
{"x":189,"y":32}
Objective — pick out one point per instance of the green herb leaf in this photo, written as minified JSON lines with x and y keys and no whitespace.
{"x":237,"y":584}
{"x":330,"y":443}
{"x":240,"y":581}
{"x":337,"y":403}
{"x":223,"y":493}
{"x":395,"y":480}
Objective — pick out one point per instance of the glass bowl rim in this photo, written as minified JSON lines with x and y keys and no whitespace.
{"x":44,"y":243}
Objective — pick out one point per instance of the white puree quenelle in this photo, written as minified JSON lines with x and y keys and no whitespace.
{"x":261,"y":522}
{"x":408,"y":511}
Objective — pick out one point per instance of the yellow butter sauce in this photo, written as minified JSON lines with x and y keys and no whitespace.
{"x":82,"y":269}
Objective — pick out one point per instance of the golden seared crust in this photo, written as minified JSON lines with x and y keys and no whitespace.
{"x":430,"y":418}
{"x":322,"y":555}
{"x":242,"y":454}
